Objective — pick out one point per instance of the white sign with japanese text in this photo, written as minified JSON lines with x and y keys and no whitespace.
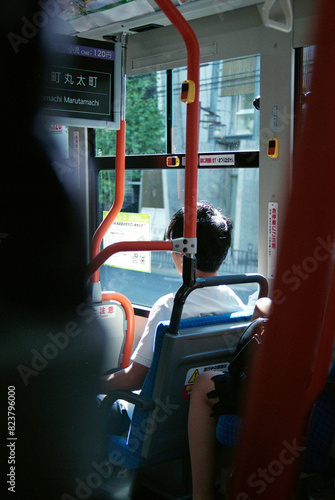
{"x":129,"y":227}
{"x":208,"y":160}
{"x":105,"y":311}
{"x":272,"y":238}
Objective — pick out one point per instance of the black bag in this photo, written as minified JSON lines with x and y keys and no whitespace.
{"x":229,"y":385}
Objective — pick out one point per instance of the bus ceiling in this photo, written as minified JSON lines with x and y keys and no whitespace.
{"x":102,"y":23}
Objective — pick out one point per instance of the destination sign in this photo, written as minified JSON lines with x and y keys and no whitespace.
{"x":79,"y":91}
{"x":80,"y":86}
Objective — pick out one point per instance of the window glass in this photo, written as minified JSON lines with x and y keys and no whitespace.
{"x":59,"y":135}
{"x":228,"y":119}
{"x":145,"y":118}
{"x":228,"y":122}
{"x":151,"y":198}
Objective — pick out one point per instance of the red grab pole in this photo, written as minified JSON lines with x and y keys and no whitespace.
{"x":119,"y":196}
{"x":126,"y":246}
{"x":192,"y":119}
{"x":283,"y":384}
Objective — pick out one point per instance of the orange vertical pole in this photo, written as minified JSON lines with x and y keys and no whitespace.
{"x":192,"y":119}
{"x":279,"y":399}
{"x":119,"y":195}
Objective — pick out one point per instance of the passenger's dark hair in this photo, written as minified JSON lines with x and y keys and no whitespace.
{"x":213,"y":235}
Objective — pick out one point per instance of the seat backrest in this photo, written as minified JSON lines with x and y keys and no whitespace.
{"x":112,"y":317}
{"x":202,"y":344}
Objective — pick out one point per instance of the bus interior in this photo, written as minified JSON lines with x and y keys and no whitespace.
{"x":149,"y":106}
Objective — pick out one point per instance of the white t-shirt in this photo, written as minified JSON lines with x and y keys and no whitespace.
{"x":201,"y":302}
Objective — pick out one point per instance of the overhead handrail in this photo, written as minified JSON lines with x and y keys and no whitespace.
{"x":271,"y":23}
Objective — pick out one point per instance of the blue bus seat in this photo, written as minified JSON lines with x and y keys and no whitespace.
{"x":320,"y":435}
{"x":228,"y":430}
{"x":159,"y":433}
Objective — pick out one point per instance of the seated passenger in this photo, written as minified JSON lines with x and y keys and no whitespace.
{"x":202,"y":425}
{"x":213,"y":242}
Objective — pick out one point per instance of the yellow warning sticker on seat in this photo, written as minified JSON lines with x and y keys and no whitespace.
{"x":193,"y":373}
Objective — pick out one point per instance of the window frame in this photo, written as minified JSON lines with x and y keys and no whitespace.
{"x":243,"y":159}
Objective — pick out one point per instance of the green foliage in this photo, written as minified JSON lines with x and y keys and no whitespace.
{"x":145,"y":132}
{"x":144,"y":120}
{"x":106,"y":188}
{"x":105,"y":142}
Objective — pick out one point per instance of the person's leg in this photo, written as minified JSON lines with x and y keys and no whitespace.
{"x":116,"y":419}
{"x":202,"y":439}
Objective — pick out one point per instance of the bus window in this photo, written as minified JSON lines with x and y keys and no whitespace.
{"x":228,"y":122}
{"x":145,"y":118}
{"x":151,"y":197}
{"x":228,"y":119}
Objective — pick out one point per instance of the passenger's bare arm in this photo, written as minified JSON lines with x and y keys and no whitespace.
{"x":130,"y":378}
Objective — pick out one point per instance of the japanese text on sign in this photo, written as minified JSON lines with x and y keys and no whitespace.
{"x":78,"y":90}
{"x":105,"y":311}
{"x":129,"y":227}
{"x":208,"y":160}
{"x":85,"y":51}
{"x":272,"y":238}
{"x":217,"y":160}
